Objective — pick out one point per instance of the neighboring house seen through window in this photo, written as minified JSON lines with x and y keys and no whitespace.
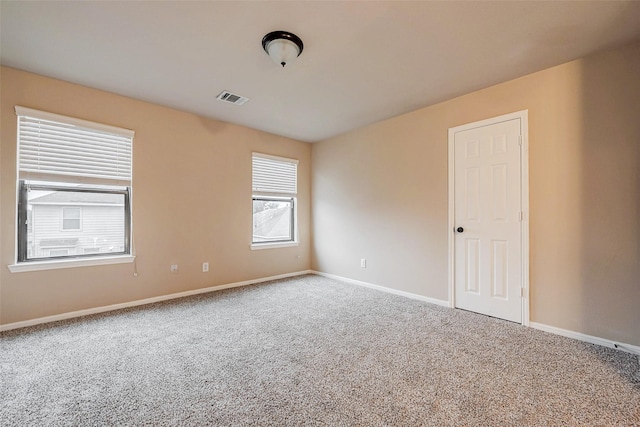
{"x":74,"y":197}
{"x":274,"y":183}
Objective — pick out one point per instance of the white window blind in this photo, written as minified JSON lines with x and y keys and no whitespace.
{"x":57,"y":148}
{"x":274,"y":174}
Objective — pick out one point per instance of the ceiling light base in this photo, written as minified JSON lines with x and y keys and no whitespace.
{"x":282,"y":47}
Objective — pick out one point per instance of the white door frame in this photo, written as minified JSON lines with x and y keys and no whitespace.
{"x":524,"y":191}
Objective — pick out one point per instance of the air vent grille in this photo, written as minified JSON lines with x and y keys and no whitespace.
{"x":232,"y":98}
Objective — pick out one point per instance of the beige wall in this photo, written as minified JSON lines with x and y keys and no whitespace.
{"x":191,"y":203}
{"x":378,"y":193}
{"x":381,"y":193}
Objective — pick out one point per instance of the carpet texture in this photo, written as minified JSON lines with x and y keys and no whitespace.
{"x":308,"y":351}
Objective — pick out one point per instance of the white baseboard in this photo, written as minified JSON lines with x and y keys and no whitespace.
{"x":586,"y":338}
{"x":435,"y":301}
{"x":629,"y":348}
{"x":96,"y":310}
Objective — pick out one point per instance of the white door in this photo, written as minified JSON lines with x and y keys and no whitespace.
{"x":487,"y":219}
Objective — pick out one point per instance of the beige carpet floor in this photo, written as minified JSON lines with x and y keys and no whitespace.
{"x":308,"y":351}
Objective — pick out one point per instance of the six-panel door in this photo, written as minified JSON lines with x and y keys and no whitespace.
{"x":488,"y":245}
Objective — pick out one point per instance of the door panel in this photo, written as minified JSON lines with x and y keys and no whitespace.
{"x":473,"y":266}
{"x":487,"y":189}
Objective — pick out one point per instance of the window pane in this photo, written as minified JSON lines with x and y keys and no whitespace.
{"x":102,"y":230}
{"x":272,"y":220}
{"x":71,"y":218}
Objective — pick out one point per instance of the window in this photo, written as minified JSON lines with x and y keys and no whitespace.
{"x":273,"y":220}
{"x":71,"y":218}
{"x":74,"y":188}
{"x":274,"y":181}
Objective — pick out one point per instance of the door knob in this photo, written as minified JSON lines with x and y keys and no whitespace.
{"x":459,"y":229}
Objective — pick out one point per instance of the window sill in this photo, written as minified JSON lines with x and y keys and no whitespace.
{"x":259,"y":246}
{"x":69,"y":263}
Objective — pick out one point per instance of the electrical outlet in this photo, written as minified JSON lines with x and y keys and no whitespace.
{"x":205,"y":267}
{"x":174,"y":268}
{"x":363,"y":262}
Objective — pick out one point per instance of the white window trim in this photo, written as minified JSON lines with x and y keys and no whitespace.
{"x":69,"y":263}
{"x":52,"y":263}
{"x":271,"y":245}
{"x":259,"y":246}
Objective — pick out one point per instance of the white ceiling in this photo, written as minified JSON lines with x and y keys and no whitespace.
{"x":362,"y":61}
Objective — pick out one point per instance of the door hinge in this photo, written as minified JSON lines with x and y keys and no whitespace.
{"x":523,"y":293}
{"x":519,"y":139}
{"x":520,"y":216}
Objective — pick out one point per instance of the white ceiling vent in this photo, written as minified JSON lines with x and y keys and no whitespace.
{"x":232,"y":98}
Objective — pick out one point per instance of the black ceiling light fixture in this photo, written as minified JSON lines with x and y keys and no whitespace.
{"x":282,"y":46}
